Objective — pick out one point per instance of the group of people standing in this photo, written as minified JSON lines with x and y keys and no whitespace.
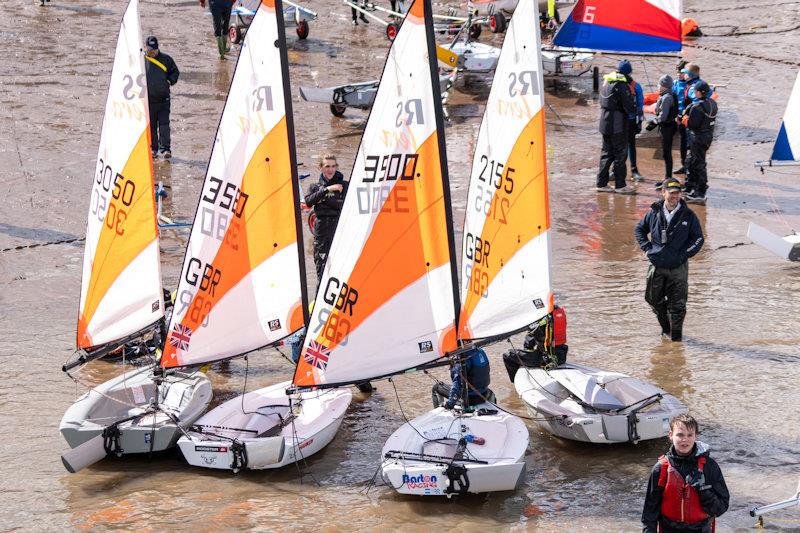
{"x":684,"y":106}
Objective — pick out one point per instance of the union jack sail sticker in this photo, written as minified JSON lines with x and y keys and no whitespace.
{"x":181,"y":335}
{"x":317,"y":355}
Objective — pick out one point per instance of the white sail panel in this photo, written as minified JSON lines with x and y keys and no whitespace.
{"x":240,"y":286}
{"x":118,"y":298}
{"x":787,"y":145}
{"x":505,"y":257}
{"x":386,"y":297}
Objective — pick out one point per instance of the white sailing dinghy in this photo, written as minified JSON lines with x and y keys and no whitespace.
{"x":243,"y":283}
{"x":121,"y":294}
{"x":786,"y":152}
{"x":505,"y":278}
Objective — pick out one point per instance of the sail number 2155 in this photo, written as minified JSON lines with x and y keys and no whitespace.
{"x":111,"y":212}
{"x":494,"y":177}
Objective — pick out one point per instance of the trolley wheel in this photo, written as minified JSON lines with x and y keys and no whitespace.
{"x":302,"y":29}
{"x":497,"y":23}
{"x":474,"y":31}
{"x":338,"y":109}
{"x":235,"y":34}
{"x":312,"y":221}
{"x":391,"y":31}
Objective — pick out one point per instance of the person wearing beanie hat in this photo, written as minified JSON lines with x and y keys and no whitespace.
{"x":669,"y":234}
{"x":162,"y":73}
{"x":666,"y":113}
{"x":700,"y":119}
{"x":616,"y":105}
{"x":624,"y":67}
{"x":221,"y":16}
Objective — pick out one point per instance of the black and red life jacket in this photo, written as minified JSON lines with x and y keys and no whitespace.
{"x":680,"y":501}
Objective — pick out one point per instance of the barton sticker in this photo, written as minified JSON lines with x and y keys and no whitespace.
{"x":215,"y":449}
{"x":425,"y":346}
{"x":274,"y":325}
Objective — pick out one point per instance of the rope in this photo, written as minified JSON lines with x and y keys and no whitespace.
{"x":740,"y":7}
{"x":38,"y":244}
{"x":735,"y":33}
{"x":742,"y":54}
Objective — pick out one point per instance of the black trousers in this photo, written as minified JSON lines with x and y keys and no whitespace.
{"x":684,"y":143}
{"x":441,"y":392}
{"x":615,"y":149}
{"x":324,"y":229}
{"x":667,"y":137}
{"x":222,"y":20}
{"x":632,"y":131}
{"x":667,"y":291}
{"x":159,"y":125}
{"x":696,"y":173}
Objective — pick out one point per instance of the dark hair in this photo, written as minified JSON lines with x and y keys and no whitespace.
{"x":687,"y":420}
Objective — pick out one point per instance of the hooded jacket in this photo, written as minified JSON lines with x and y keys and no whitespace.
{"x":325,"y":203}
{"x":714,"y":499}
{"x":616,"y":104}
{"x":684,"y":236}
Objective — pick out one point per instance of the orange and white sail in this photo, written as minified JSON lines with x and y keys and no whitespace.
{"x":240,"y":286}
{"x":505,"y":258}
{"x":121,"y":284}
{"x":386,"y":300}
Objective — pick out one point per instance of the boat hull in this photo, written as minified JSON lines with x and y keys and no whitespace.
{"x":184,"y":396}
{"x":557,"y":410}
{"x":317,"y":417}
{"x":506,"y":440}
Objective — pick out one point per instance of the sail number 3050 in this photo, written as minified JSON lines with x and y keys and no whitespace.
{"x":111,"y":212}
{"x":494,"y":177}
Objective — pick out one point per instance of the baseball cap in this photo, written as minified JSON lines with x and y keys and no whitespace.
{"x":151,"y":42}
{"x":671,"y":185}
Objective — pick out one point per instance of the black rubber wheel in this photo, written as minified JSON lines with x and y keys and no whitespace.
{"x":497,"y":23}
{"x":391,"y":31}
{"x":235,"y":34}
{"x":338,"y":109}
{"x":302,"y":29}
{"x":474,"y":31}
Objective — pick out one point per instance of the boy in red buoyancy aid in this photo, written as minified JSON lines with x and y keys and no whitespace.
{"x":686,"y":490}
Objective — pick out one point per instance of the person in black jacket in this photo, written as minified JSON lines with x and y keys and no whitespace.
{"x":221,"y":14}
{"x":675,"y":236}
{"x":327,"y":198}
{"x":162,"y":73}
{"x":666,"y":113}
{"x":700,"y":118}
{"x":616,"y":105}
{"x":670,"y":506}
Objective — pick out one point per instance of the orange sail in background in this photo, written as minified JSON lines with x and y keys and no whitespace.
{"x":121,"y":286}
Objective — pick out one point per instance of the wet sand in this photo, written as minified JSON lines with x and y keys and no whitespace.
{"x":737,"y":370}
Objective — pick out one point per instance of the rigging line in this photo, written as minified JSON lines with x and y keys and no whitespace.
{"x":742,"y":54}
{"x":776,"y":208}
{"x":296,"y":440}
{"x":39,"y":244}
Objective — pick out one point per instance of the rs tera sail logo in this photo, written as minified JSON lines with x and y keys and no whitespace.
{"x":420,"y":482}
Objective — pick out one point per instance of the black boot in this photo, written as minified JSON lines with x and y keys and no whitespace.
{"x":663,"y":321}
{"x":364,"y":19}
{"x":676,"y":335}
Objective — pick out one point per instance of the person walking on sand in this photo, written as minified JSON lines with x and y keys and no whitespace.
{"x":675,"y":236}
{"x":686,"y":490}
{"x":221,"y":15}
{"x":616,"y":105}
{"x":162,"y":73}
{"x":666,"y":113}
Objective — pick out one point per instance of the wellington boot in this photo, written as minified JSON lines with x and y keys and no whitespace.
{"x":221,"y":47}
{"x":663,"y":321}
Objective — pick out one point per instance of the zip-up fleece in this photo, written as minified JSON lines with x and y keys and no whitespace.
{"x":684,"y":236}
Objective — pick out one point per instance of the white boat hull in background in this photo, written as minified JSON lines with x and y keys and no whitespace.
{"x":184,"y":396}
{"x":625,"y":409}
{"x":787,"y":247}
{"x":413,"y":464}
{"x":269,"y":444}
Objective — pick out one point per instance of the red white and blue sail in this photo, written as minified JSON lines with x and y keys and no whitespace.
{"x":787,"y":145}
{"x":634,"y":26}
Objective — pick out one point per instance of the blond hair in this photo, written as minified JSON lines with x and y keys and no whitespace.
{"x":323,"y":157}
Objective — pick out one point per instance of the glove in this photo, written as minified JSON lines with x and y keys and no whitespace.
{"x":651,"y":126}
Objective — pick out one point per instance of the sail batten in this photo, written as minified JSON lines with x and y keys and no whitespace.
{"x":241,"y":286}
{"x":505,"y":258}
{"x":386,"y":301}
{"x":121,"y":282}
